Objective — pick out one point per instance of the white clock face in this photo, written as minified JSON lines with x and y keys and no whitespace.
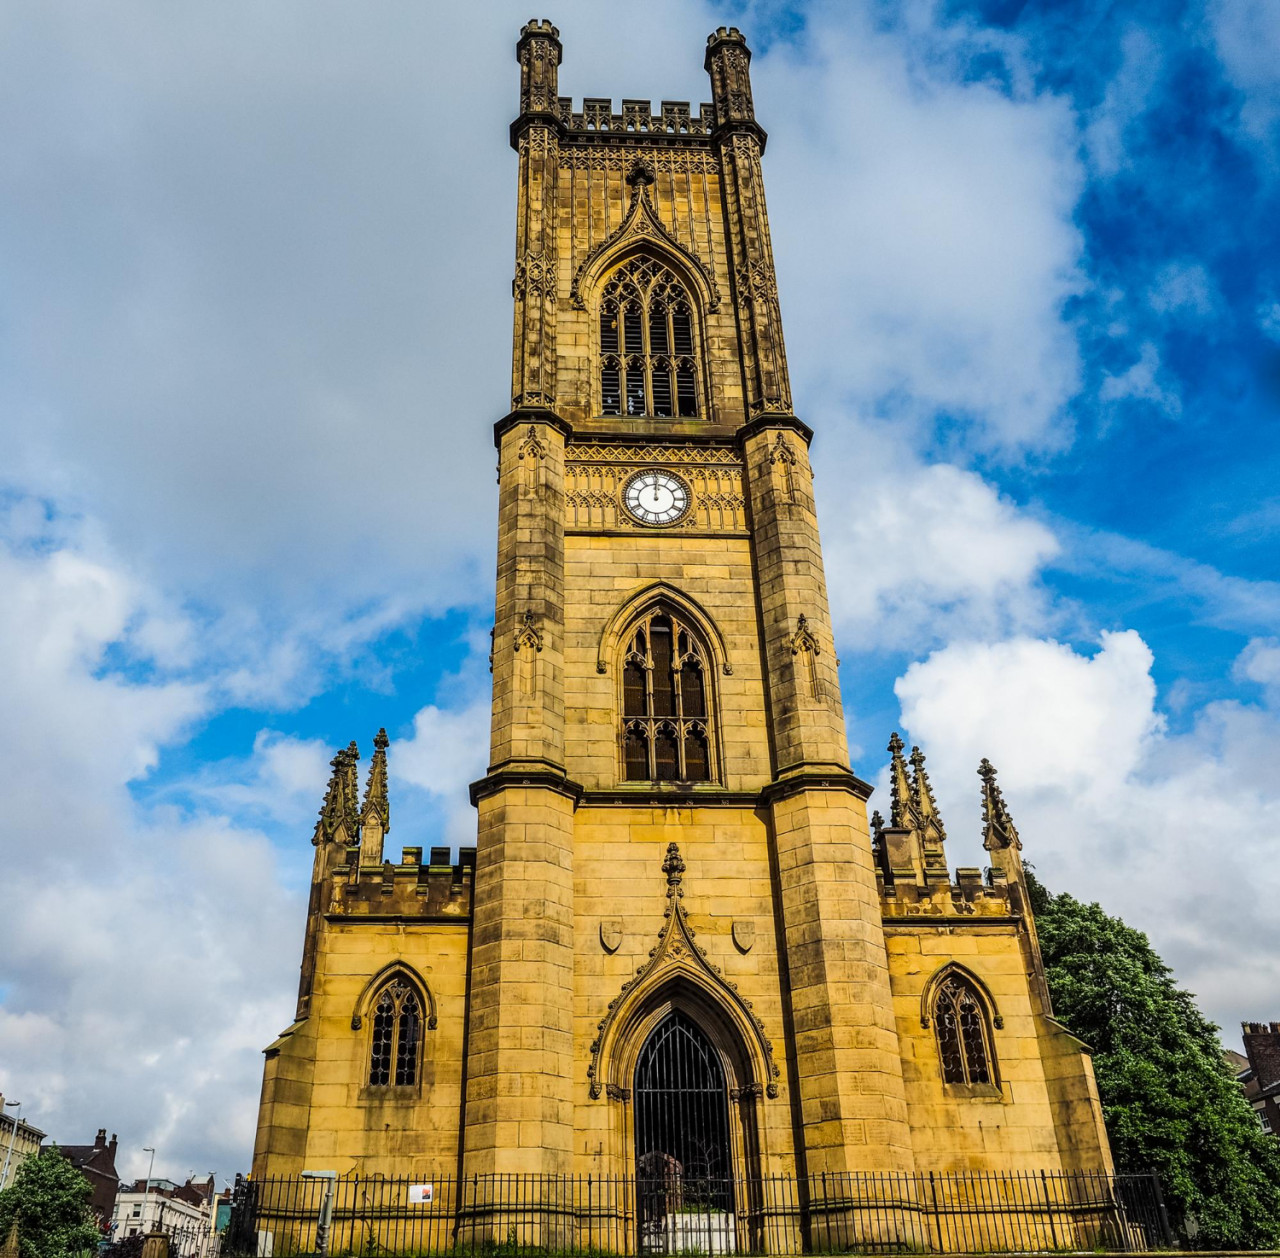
{"x":655,"y":497}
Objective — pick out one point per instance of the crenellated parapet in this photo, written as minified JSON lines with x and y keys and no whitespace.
{"x":597,"y":116}
{"x":435,"y":889}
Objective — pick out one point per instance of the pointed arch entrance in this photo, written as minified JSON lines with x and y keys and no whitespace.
{"x":683,"y":1146}
{"x":681,"y":1104}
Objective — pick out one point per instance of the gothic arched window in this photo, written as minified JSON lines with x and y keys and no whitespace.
{"x":647,"y":354}
{"x":964,"y":1037}
{"x":666,"y":716}
{"x":397,"y":1036}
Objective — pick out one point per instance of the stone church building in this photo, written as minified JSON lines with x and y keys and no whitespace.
{"x":678,"y":942}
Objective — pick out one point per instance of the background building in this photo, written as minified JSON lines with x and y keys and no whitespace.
{"x":19,"y":1140}
{"x":1261,"y":1077}
{"x":184,"y":1211}
{"x":97,"y":1163}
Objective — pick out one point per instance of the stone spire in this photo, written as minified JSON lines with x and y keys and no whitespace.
{"x":929,"y":821}
{"x":375,"y":816}
{"x":902,"y":813}
{"x":339,"y":814}
{"x":998,"y":830}
{"x":922,"y":798}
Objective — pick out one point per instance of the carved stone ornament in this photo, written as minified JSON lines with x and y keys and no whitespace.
{"x":617,"y":1093}
{"x":535,"y":275}
{"x":611,"y":934}
{"x":744,"y":935}
{"x":676,"y":951}
{"x":782,"y":452}
{"x":532,"y":446}
{"x":803,"y":639}
{"x":527,"y":634}
{"x":642,"y":222}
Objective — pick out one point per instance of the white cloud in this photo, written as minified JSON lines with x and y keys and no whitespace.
{"x":1175,"y":832}
{"x":1185,"y":288}
{"x":1125,"y":100}
{"x":918,"y":553}
{"x":147,"y":955}
{"x":1260,"y":662}
{"x":1247,"y":36}
{"x":930,"y":246}
{"x":1140,"y":382}
{"x":449,"y":749}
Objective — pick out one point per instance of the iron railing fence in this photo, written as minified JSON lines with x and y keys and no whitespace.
{"x":507,"y":1216}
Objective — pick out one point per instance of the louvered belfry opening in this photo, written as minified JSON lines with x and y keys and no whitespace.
{"x":683,"y":1155}
{"x":646,"y":344}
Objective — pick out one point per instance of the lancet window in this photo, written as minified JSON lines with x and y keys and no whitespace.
{"x":964,"y":1036}
{"x":397,"y":1036}
{"x":666,"y":707}
{"x":647,"y":353}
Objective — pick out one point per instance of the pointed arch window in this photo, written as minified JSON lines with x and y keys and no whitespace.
{"x":666,"y":710}
{"x":647,"y":343}
{"x":396,"y":1044}
{"x":964,"y":1033}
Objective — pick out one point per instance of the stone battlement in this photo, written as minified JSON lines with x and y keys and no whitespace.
{"x":968,"y":896}
{"x":437,"y":889}
{"x":676,"y":117}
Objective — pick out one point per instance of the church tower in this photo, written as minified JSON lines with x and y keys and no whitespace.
{"x":677,"y":943}
{"x":663,"y":666}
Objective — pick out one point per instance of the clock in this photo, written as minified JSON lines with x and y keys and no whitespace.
{"x":656,"y":497}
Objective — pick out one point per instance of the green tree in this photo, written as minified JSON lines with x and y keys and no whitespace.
{"x":49,"y":1198}
{"x":1171,"y":1104}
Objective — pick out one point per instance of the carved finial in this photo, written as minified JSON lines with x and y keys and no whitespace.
{"x":902,"y":811}
{"x":998,"y":830}
{"x":377,"y":803}
{"x":673,"y":865}
{"x":640,"y":174}
{"x":922,"y":797}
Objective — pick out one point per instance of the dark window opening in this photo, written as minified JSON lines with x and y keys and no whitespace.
{"x":666,"y":708}
{"x":634,"y":690}
{"x":637,"y":756}
{"x":963,"y":1037}
{"x":396,"y":1037}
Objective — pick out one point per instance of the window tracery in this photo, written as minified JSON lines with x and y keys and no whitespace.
{"x":666,"y":708}
{"x":647,"y":351}
{"x":397,"y":1036}
{"x":964,"y":1037}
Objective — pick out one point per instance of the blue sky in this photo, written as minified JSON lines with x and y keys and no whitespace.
{"x":254,"y":331}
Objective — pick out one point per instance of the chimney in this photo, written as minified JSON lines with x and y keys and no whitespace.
{"x":100,"y":1140}
{"x":112,"y":1148}
{"x":1262,"y":1047}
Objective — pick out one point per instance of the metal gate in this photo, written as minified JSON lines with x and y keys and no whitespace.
{"x":684,"y":1174}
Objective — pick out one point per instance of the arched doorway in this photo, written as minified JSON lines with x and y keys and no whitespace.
{"x":684,"y":1159}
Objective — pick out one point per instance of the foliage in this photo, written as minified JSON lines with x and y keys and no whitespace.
{"x":1171,"y":1103}
{"x":50,"y":1200}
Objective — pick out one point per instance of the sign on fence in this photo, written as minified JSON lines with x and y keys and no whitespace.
{"x":421,"y":1194}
